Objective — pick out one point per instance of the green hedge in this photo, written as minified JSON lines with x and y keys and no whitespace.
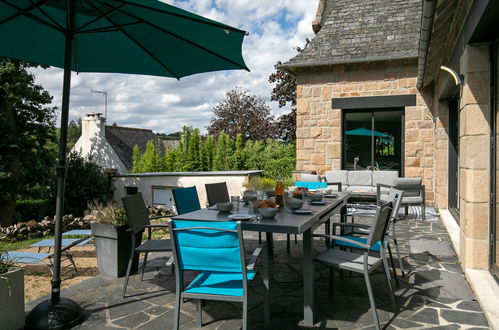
{"x":33,"y":209}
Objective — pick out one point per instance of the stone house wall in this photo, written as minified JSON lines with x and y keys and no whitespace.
{"x":318,"y":134}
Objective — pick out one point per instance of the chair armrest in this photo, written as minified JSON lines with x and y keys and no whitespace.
{"x":254,"y":257}
{"x":378,"y":191}
{"x":384,"y":185}
{"x":170,"y":262}
{"x":338,"y":184}
{"x":147,"y":226}
{"x":344,"y":224}
{"x":344,"y":239}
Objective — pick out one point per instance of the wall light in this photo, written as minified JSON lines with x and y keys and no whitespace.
{"x":458,"y":78}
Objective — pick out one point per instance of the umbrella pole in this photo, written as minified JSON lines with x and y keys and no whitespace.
{"x":57,"y":312}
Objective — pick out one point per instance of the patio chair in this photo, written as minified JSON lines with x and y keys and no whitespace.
{"x":138,"y":220}
{"x":216,"y":250}
{"x":186,"y":199}
{"x":395,"y":196}
{"x":363,"y":263}
{"x":217,"y":193}
{"x":414,"y":193}
{"x":31,"y":258}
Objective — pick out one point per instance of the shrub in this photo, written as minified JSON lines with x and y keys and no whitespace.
{"x":33,"y":209}
{"x":85,"y":183}
{"x":110,"y":214}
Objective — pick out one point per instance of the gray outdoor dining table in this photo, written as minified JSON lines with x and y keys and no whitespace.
{"x":286,"y":222}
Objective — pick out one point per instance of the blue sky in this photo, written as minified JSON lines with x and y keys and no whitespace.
{"x":165,"y":105}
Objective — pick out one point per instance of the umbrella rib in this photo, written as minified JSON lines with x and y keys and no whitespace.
{"x":107,"y":28}
{"x":137,"y":43}
{"x":184,"y":39}
{"x":209,"y":22}
{"x":113,"y":9}
{"x":46,"y":15}
{"x":26,"y":13}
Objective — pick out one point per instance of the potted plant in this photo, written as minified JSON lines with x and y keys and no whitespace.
{"x":113,"y":244}
{"x":11,"y":294}
{"x":261,"y":186}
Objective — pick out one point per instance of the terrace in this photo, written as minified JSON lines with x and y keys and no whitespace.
{"x":434,"y":294}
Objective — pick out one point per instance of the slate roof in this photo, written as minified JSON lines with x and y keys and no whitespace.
{"x":124,"y":139}
{"x":363,"y":30}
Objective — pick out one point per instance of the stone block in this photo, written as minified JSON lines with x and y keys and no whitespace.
{"x":441,"y":178}
{"x":318,"y":159}
{"x":315,"y":132}
{"x":425,"y":135}
{"x":336,"y":134}
{"x":474,"y":119}
{"x":302,"y":106}
{"x":333,"y":150}
{"x":302,"y":132}
{"x":308,"y":144}
{"x":441,"y":162}
{"x":413,"y":172}
{"x":306,"y":91}
{"x":474,"y":252}
{"x":414,"y":149}
{"x":474,"y":152}
{"x":413,"y":113}
{"x":413,"y":162}
{"x":477,"y":219}
{"x":326,"y":93}
{"x":476,"y":88}
{"x":411,"y":135}
{"x":475,"y":58}
{"x":428,"y":173}
{"x":474,"y":185}
{"x":425,"y":124}
{"x":320,"y":147}
{"x":427,"y":162}
{"x":302,"y":155}
{"x":441,"y":197}
{"x":299,"y":91}
{"x":316,"y":91}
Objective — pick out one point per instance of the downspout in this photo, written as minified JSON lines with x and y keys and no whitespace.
{"x":425,"y":38}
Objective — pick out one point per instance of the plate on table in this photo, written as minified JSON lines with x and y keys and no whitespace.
{"x":303,"y":211}
{"x":318,"y":203}
{"x":331,"y":195}
{"x":240,"y":217}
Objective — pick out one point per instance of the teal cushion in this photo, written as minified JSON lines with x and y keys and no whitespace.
{"x":229,"y":284}
{"x":374,"y":247}
{"x":311,"y":185}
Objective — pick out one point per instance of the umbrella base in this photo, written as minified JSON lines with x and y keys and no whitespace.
{"x":62,"y":315}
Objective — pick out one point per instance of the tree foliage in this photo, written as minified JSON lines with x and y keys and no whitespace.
{"x":220,"y":153}
{"x":27,"y":142}
{"x":85,"y":183}
{"x":242,"y":112}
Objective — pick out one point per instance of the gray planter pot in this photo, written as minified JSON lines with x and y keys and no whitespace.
{"x":12,"y":299}
{"x":113,"y":246}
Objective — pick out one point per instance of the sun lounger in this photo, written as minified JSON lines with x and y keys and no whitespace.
{"x":29,"y":258}
{"x":78,"y":232}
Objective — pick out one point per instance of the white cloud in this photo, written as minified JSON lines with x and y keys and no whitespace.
{"x":163,"y":104}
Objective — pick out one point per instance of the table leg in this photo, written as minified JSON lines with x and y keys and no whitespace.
{"x":270,"y":243}
{"x":308,"y":279}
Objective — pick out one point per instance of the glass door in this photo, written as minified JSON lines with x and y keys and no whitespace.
{"x":453,"y":187}
{"x":373,"y":139}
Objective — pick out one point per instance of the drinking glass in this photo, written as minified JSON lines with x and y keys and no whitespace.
{"x":235,"y":202}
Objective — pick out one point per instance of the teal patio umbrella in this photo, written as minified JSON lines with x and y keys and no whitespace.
{"x":365,"y":132}
{"x":121,"y":36}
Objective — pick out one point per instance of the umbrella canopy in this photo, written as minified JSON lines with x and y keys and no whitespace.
{"x":122,"y":36}
{"x":365,"y":132}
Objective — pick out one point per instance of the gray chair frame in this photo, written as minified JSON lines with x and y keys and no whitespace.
{"x":363,"y":263}
{"x":420,"y":188}
{"x":180,"y":295}
{"x":395,"y":196}
{"x":138,"y":220}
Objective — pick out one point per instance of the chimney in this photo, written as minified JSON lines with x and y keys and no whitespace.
{"x":93,"y":125}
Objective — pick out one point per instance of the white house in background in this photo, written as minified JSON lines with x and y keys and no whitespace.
{"x":111,"y":147}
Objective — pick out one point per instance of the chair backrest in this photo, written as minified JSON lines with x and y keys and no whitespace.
{"x":337,"y":176}
{"x":380,"y":223}
{"x":136,"y":211}
{"x":311,"y":185}
{"x":395,"y":196}
{"x":186,"y":199}
{"x":208,"y":246}
{"x":310,"y":177}
{"x":411,"y":186}
{"x":217,"y":193}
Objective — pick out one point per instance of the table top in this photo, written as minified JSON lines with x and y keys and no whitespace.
{"x":284,"y":222}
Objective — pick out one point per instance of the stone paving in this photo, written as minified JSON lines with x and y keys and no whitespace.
{"x":433,"y":295}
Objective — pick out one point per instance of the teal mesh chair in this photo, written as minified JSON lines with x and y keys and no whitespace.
{"x":186,"y":200}
{"x":363,"y":262}
{"x":216,"y":251}
{"x":311,"y":185}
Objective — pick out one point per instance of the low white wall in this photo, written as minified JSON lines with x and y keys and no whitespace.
{"x":146,"y":182}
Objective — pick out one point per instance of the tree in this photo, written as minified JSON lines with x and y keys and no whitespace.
{"x":242,"y":112}
{"x":74,"y":132}
{"x":136,"y":159}
{"x":28,"y":139}
{"x":284,"y":92}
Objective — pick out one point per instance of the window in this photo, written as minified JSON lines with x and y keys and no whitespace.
{"x":131,"y":190}
{"x":162,"y":196}
{"x":372,"y":140}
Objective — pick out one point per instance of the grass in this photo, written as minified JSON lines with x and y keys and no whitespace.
{"x":21,"y":244}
